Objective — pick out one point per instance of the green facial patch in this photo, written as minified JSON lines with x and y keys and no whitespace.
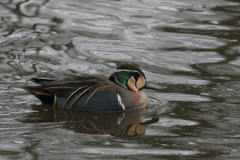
{"x":123,"y":76}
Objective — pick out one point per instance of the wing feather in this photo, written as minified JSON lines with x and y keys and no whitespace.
{"x":96,"y":91}
{"x":80,"y":95}
{"x":75,"y":86}
{"x":72,"y":95}
{"x":66,"y":87}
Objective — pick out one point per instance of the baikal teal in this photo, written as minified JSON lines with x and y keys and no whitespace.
{"x":119,"y":92}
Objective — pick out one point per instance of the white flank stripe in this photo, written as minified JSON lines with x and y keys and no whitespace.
{"x":120,"y":102}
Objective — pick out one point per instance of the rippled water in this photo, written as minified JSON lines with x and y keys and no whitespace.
{"x":189,"y":49}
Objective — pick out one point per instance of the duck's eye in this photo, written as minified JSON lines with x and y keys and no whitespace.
{"x":140,"y":82}
{"x":131,"y":84}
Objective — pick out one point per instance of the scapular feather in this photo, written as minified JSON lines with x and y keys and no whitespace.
{"x":87,"y":90}
{"x":96,"y":91}
{"x":72,"y":95}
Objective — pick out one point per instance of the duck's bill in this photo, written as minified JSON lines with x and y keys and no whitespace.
{"x":148,"y":86}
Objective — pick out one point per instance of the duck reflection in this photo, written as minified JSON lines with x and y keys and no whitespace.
{"x":120,"y":124}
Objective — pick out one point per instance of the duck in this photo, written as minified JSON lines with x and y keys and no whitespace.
{"x":121,"y":91}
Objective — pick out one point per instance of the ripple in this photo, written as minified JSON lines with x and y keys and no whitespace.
{"x":138,"y":151}
{"x":158,"y":106}
{"x":111,"y":55}
{"x":178,"y":43}
{"x":184,"y":97}
{"x":29,"y":8}
{"x":42,"y":28}
{"x":233,"y":85}
{"x":221,"y":69}
{"x":170,"y":122}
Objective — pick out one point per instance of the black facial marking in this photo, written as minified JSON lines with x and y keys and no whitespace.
{"x":132,"y":67}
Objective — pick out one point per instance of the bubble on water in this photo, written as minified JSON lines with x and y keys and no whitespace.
{"x":191,"y":143}
{"x":18,"y":142}
{"x":214,"y":22}
{"x":106,"y":143}
{"x":205,"y":94}
{"x":112,"y":64}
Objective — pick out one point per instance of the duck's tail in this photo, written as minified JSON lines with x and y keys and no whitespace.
{"x":42,"y":94}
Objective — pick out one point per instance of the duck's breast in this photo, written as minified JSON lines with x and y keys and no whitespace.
{"x":130,"y":99}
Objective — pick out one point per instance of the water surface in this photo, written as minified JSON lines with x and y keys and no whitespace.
{"x":189,"y":49}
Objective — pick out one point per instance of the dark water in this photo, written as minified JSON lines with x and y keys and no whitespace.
{"x":188,"y":48}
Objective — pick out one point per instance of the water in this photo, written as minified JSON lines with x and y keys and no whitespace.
{"x":189,"y":49}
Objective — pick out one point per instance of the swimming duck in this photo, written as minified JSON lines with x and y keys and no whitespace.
{"x":119,"y":92}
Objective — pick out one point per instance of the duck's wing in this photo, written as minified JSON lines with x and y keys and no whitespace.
{"x":71,"y":88}
{"x":76,"y":87}
{"x":42,"y":81}
{"x":67,"y":86}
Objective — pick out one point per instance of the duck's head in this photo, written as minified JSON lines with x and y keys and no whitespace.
{"x":131,"y":77}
